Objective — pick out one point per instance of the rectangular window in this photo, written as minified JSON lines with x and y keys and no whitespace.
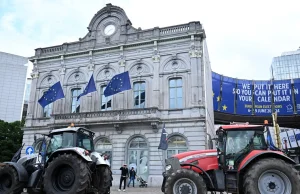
{"x":75,"y":104}
{"x":105,"y":101}
{"x":139,"y":94}
{"x":47,"y":111}
{"x":175,"y":93}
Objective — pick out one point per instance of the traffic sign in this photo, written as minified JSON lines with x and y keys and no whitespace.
{"x":29,"y":150}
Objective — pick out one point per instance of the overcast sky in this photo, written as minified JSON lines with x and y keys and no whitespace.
{"x":242,"y":37}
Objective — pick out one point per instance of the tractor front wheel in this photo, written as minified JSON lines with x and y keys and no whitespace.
{"x":271,"y":176}
{"x":67,"y":174}
{"x":185,"y":181}
{"x":9,"y":180}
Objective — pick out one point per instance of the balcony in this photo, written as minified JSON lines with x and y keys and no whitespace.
{"x":113,"y":117}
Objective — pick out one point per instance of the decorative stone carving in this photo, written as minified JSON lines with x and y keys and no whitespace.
{"x":48,"y":80}
{"x":174,"y":65}
{"x":118,"y":129}
{"x":76,"y":77}
{"x":91,"y":67}
{"x":154,"y":126}
{"x":195,"y":52}
{"x":122,"y":60}
{"x":139,"y":69}
{"x":62,"y":70}
{"x":105,"y":74}
{"x":34,"y":74}
{"x":155,"y":56}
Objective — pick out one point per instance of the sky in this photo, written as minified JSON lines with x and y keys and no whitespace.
{"x":242,"y":36}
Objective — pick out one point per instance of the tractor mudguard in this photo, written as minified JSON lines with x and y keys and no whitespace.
{"x":99,"y":159}
{"x":34,"y":179}
{"x":75,"y":150}
{"x":22,"y":173}
{"x":257,"y":154}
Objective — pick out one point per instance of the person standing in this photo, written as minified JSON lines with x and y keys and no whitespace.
{"x":132,"y":176}
{"x":124,"y":175}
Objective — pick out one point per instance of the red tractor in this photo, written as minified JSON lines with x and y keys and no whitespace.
{"x":244,"y":162}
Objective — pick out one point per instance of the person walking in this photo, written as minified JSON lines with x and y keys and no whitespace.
{"x":124,"y":175}
{"x":132,"y":176}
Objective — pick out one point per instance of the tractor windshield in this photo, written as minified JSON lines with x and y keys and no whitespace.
{"x":242,"y":142}
{"x":84,"y":141}
{"x":61,"y":140}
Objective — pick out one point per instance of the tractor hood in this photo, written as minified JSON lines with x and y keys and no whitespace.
{"x":192,"y":155}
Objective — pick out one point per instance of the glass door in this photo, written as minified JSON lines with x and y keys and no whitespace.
{"x":138,"y":159}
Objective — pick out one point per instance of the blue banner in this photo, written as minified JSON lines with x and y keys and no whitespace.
{"x":297,"y":94}
{"x":262,"y":98}
{"x":216,"y":85}
{"x":283,"y":101}
{"x":228,"y":95}
{"x":244,"y":97}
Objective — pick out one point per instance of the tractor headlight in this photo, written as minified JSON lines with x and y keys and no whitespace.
{"x":168,"y":167}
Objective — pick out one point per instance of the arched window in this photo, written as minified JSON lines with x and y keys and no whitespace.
{"x":139,"y":94}
{"x":176,"y":144}
{"x":104,"y":146}
{"x":138,"y":156}
{"x":105,"y":101}
{"x":47,"y":111}
{"x":75,"y":104}
{"x":175,"y":93}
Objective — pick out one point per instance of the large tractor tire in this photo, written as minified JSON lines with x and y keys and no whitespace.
{"x":185,"y":181}
{"x":9,"y":181}
{"x":67,"y":174}
{"x":271,"y":176}
{"x":105,"y":179}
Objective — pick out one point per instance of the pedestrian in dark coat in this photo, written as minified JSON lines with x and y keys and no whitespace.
{"x":132,"y":176}
{"x":124,"y":176}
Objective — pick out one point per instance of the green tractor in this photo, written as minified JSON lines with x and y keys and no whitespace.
{"x":66,"y":164}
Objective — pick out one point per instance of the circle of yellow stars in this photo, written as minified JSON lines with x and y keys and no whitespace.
{"x":120,"y":85}
{"x":52,"y":97}
{"x":218,"y":100}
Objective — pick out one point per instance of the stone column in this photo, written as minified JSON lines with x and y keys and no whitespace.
{"x":33,"y":95}
{"x":196,"y":81}
{"x":62,"y":72}
{"x":120,"y":99}
{"x":155,"y":97}
{"x":91,"y":97}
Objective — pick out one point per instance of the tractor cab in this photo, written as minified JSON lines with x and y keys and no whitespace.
{"x":71,"y":137}
{"x":236,"y":141}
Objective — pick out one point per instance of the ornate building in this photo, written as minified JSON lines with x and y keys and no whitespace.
{"x":171,"y":82}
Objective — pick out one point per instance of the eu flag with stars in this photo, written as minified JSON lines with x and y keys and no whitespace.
{"x":118,"y":83}
{"x":91,"y":87}
{"x":54,"y":93}
{"x":163,"y":144}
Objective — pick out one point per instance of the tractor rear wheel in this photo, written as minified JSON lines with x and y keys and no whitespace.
{"x":271,"y":176}
{"x":67,"y":174}
{"x":185,"y":181}
{"x":9,"y":180}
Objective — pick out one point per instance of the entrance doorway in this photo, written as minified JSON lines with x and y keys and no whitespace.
{"x":138,"y":157}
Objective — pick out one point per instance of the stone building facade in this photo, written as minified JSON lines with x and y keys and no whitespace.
{"x":170,"y":76}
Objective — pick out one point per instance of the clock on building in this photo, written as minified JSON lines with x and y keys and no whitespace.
{"x":109,"y":30}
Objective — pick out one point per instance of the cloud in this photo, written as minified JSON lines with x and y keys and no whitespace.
{"x":242,"y":36}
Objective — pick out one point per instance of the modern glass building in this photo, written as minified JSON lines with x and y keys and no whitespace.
{"x":13,"y":71}
{"x":286,"y":66}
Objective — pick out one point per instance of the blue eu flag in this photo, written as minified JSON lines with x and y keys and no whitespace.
{"x":54,"y":93}
{"x":89,"y":88}
{"x":118,"y":84}
{"x":163,"y":144}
